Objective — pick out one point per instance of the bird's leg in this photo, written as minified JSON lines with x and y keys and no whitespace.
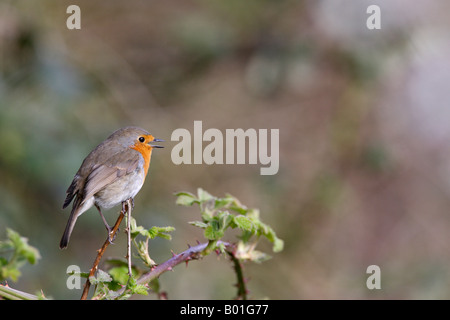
{"x":106,"y":225}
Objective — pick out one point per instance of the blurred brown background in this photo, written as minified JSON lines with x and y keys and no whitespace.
{"x":364,"y":121}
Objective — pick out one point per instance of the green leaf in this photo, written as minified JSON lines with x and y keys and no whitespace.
{"x":22,"y":248}
{"x":224,"y":219}
{"x":154,"y":285}
{"x":244,"y":223}
{"x":203,"y":195}
{"x":246,"y":236}
{"x":223,"y":202}
{"x":136,"y":288}
{"x":278,"y":245}
{"x":140,"y":289}
{"x":199,"y":224}
{"x":161,"y":232}
{"x":186,"y":199}
{"x":101,"y":277}
{"x":21,"y":252}
{"x":270,"y":234}
{"x":151,"y":233}
{"x":253,"y":214}
{"x":218,"y":214}
{"x":119,"y":274}
{"x":136,"y":230}
{"x":213,"y":233}
{"x":10,"y":272}
{"x":236,"y":205}
{"x":207,"y":215}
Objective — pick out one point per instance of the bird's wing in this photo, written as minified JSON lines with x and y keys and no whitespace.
{"x":120,"y":164}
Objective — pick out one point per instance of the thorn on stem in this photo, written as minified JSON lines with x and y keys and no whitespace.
{"x":163,"y":296}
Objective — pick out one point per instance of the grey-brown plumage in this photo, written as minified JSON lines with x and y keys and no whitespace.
{"x":112,"y":173}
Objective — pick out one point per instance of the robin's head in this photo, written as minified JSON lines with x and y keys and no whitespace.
{"x":135,"y":137}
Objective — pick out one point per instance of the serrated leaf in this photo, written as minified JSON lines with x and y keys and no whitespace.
{"x":101,"y":277}
{"x":212,"y":233}
{"x":152,"y":232}
{"x":186,"y":199}
{"x":236,"y":205}
{"x":161,"y":232}
{"x":244,"y":223}
{"x":223,"y":202}
{"x":113,"y":295}
{"x":218,"y":214}
{"x":140,"y":289}
{"x":22,"y":248}
{"x":199,"y":224}
{"x":224,"y":218}
{"x":239,"y":209}
{"x":136,"y":288}
{"x":203,"y":195}
{"x":21,"y":252}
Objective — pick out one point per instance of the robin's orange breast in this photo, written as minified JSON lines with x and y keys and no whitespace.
{"x":145,"y":150}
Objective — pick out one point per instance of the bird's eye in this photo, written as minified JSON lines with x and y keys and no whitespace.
{"x":141,"y":139}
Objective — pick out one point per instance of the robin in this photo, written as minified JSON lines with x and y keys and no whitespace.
{"x":112,"y":173}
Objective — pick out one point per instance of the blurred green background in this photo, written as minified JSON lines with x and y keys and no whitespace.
{"x":364,"y":125}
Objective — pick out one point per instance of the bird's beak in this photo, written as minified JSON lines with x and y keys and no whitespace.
{"x":156,"y":140}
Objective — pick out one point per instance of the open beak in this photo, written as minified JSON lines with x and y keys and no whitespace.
{"x":156,"y":140}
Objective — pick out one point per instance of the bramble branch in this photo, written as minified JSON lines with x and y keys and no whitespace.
{"x":102,"y":250}
{"x":192,"y":253}
{"x":9,"y":293}
{"x":241,"y":281}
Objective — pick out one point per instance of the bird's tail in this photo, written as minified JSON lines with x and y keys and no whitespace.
{"x":68,"y":231}
{"x":74,"y":214}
